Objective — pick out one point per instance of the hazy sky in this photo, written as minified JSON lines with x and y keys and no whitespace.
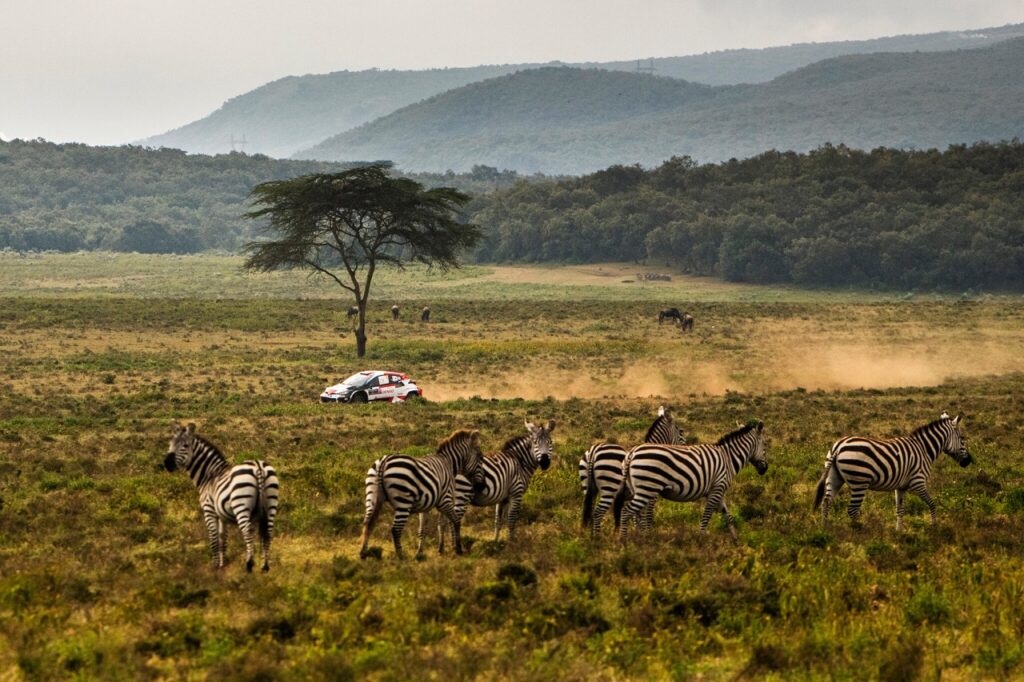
{"x":115,"y":71}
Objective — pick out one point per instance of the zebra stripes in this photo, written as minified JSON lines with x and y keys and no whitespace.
{"x":600,"y":470}
{"x":897,"y":464}
{"x":506,"y":476}
{"x":688,"y":472}
{"x":245,"y":494}
{"x":418,"y":484}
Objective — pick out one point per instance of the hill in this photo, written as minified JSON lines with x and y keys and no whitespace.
{"x":572,"y":121}
{"x":297,"y":112}
{"x":67,"y":197}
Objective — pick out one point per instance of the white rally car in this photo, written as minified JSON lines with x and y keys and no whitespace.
{"x":364,"y":387}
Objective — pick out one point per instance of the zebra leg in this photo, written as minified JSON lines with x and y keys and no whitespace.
{"x":212,"y":525}
{"x":514,"y":506}
{"x":267,"y":532}
{"x":401,"y":516}
{"x":712,"y":505}
{"x":442,"y":530}
{"x":500,"y":512}
{"x":899,"y":509}
{"x":857,"y":494}
{"x":729,"y":519}
{"x":920,"y":489}
{"x":453,"y":518}
{"x":600,"y":510}
{"x":632,"y":511}
{"x":421,"y":534}
{"x":245,"y":525}
{"x":222,"y":546}
{"x":648,"y":517}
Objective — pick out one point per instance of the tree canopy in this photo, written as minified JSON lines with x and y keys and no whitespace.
{"x":344,"y":225}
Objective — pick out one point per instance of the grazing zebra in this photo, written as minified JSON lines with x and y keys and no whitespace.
{"x":686,"y":323}
{"x":245,"y":494}
{"x":506,"y":476}
{"x":394,"y":312}
{"x":688,"y":472}
{"x":425,"y":314}
{"x":898,"y":464}
{"x":669,"y":314}
{"x":418,"y":484}
{"x":352,"y":311}
{"x":601,"y":470}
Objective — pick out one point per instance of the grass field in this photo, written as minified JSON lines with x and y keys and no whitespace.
{"x":104,"y":570}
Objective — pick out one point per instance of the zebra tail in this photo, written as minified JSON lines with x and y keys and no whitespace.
{"x":375,"y":493}
{"x":261,"y":489}
{"x":819,"y":494}
{"x":590,"y":493}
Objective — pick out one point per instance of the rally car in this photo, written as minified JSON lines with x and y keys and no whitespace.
{"x":372,"y":385}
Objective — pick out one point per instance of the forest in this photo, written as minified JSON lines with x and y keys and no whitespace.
{"x":834,"y":217}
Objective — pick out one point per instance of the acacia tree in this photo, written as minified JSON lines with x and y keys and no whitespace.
{"x":343,"y":225}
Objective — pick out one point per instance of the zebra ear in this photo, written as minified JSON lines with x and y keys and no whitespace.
{"x":551,"y":425}
{"x":175,"y":427}
{"x":944,"y":415}
{"x":531,"y":427}
{"x":662,"y":411}
{"x":956,"y":419}
{"x":760,"y":426}
{"x":191,"y":428}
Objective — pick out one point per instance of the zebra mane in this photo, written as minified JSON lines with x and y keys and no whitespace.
{"x":513,"y":441}
{"x":929,"y":426}
{"x":738,"y":433}
{"x":216,"y":451}
{"x":662,"y":418}
{"x":455,"y":437}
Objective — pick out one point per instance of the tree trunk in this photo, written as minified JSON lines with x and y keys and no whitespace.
{"x":361,"y":331}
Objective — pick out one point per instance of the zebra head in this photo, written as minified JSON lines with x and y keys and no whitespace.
{"x":179,"y":454}
{"x":664,"y":430}
{"x":463,"y":447}
{"x":956,"y":445}
{"x":540,"y":442}
{"x":757,"y":448}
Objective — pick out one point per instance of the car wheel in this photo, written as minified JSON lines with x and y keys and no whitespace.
{"x":412,"y":396}
{"x":358,"y":398}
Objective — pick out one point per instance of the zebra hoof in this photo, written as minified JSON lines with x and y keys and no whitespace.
{"x":266,"y":568}
{"x":248,"y":565}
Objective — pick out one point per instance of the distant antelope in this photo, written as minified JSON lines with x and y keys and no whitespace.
{"x":245,"y":494}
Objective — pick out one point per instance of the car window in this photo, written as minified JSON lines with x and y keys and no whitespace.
{"x":373,"y":382}
{"x":396,"y":380}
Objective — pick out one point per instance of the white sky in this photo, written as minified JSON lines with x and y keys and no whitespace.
{"x":114,"y":71}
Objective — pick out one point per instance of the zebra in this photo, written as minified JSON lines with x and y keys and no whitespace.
{"x":418,"y":484}
{"x":352,"y":312}
{"x":245,"y":494}
{"x":689,"y":472}
{"x":395,"y":312}
{"x":898,"y":464}
{"x":600,"y":469}
{"x":425,"y":314}
{"x":506,"y":476}
{"x":686,"y":323}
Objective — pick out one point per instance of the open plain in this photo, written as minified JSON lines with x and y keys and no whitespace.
{"x":104,"y":568}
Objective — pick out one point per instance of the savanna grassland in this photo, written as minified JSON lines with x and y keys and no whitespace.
{"x":104,"y":568}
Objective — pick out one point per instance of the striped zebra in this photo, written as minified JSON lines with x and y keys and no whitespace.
{"x":418,"y":484}
{"x":245,"y":494}
{"x":601,"y":470}
{"x":898,"y":464}
{"x":506,"y":476}
{"x":688,"y":472}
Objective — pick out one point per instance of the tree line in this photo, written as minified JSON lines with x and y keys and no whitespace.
{"x":832,"y":217}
